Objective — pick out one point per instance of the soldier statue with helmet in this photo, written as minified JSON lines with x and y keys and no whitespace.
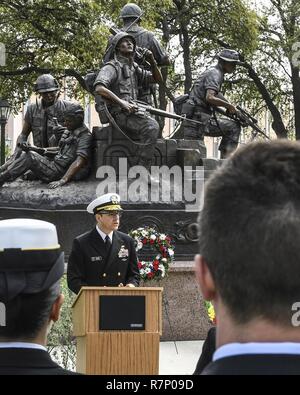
{"x":131,"y":15}
{"x":39,"y":116}
{"x":118,"y":83}
{"x":206,"y":94}
{"x":55,"y":165}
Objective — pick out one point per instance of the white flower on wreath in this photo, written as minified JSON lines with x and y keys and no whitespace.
{"x":147,"y":270}
{"x":153,"y":237}
{"x":171,"y":252}
{"x":142,"y":272}
{"x":144,"y":233}
{"x":164,"y":260}
{"x":162,"y":269}
{"x":162,"y":237}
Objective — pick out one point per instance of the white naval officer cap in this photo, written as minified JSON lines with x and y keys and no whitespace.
{"x":107,"y":202}
{"x":31,"y":259}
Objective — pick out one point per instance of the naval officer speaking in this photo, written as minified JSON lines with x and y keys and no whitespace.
{"x":103,"y":256}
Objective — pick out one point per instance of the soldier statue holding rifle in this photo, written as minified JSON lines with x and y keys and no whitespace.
{"x":131,"y":15}
{"x":118,"y":83}
{"x":204,"y":96}
{"x":55,"y":165}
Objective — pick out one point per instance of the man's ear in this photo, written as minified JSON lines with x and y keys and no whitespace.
{"x":55,"y":310}
{"x":204,"y":278}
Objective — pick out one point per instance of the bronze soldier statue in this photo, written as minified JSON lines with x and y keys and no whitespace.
{"x":39,"y":116}
{"x":71,"y":159}
{"x":131,"y":15}
{"x":118,"y":82}
{"x":204,"y":96}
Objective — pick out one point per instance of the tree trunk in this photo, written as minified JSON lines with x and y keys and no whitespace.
{"x":277,"y":124}
{"x":296,"y":91}
{"x":185,"y":43}
{"x":184,"y":40}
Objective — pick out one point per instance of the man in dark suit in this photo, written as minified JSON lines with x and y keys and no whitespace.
{"x":103,"y":256}
{"x":31,"y":265}
{"x":250,"y":260}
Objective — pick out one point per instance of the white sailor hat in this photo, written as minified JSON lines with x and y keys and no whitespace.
{"x":30,"y":257}
{"x":107,"y":202}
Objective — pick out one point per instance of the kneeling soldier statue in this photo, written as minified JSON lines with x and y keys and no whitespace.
{"x":71,"y":159}
{"x":118,"y":82}
{"x":204,"y":96}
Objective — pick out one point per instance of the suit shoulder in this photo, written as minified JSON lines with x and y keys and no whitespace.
{"x":84,"y":236}
{"x":63,"y":372}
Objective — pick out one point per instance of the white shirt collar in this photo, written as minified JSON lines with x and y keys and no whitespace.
{"x":103,"y":235}
{"x":22,"y":345}
{"x":234,"y":349}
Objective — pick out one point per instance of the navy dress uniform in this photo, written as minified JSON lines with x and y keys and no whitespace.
{"x":31,"y":262}
{"x":94,"y":262}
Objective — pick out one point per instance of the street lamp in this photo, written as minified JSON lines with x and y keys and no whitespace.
{"x":4,"y":114}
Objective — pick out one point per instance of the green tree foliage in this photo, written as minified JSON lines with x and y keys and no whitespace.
{"x":202,"y":27}
{"x":61,"y":342}
{"x":267,"y":40}
{"x":277,"y":59}
{"x":69,"y":38}
{"x":66,"y":38}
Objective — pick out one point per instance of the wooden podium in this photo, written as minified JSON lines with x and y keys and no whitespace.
{"x":111,"y":351}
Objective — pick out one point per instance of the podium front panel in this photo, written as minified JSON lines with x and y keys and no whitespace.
{"x":122,"y":312}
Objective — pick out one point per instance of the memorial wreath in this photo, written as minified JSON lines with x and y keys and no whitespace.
{"x":158,"y":267}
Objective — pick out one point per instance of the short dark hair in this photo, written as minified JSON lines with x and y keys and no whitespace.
{"x":250,"y":231}
{"x":28,"y":313}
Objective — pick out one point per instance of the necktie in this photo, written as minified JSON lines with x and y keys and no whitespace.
{"x":107,"y":243}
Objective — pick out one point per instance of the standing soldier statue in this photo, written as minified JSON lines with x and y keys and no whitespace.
{"x":205,"y":95}
{"x":131,"y":15}
{"x":118,"y":82}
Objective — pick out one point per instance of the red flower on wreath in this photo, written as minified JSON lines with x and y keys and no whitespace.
{"x":144,"y":241}
{"x":150,"y":275}
{"x":151,"y":241}
{"x":155,"y":265}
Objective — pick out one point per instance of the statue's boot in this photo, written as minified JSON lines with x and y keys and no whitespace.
{"x":5,"y":166}
{"x":4,"y":176}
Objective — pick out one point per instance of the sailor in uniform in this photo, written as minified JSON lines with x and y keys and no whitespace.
{"x":103,"y":256}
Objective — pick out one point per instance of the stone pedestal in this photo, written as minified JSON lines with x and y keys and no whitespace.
{"x":184,"y":314}
{"x":110,"y":145}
